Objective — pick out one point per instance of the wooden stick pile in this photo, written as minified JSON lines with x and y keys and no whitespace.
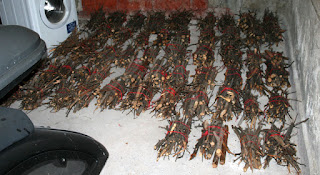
{"x":231,"y":43}
{"x":228,"y":99}
{"x":251,"y":26}
{"x":72,"y":79}
{"x":276,"y":73}
{"x":176,"y":139}
{"x":254,"y":79}
{"x":272,"y":29}
{"x":213,"y":142}
{"x":278,"y":106}
{"x":112,"y":94}
{"x":251,"y":107}
{"x":136,"y":21}
{"x":251,"y":149}
{"x":155,"y":22}
{"x":157,"y":75}
{"x":139,"y":99}
{"x":279,"y":147}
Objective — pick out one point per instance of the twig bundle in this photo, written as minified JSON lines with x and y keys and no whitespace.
{"x":204,"y":77}
{"x":127,"y":56}
{"x":136,"y":21}
{"x":155,"y":22}
{"x":138,"y":98}
{"x":112,"y":94}
{"x":116,"y":19}
{"x":176,"y":139}
{"x":203,"y":56}
{"x":165,"y":106}
{"x":277,"y":74}
{"x":157,"y":75}
{"x":251,"y":149}
{"x":196,"y":104}
{"x":279,"y":147}
{"x":277,"y":107}
{"x":251,"y":107}
{"x":252,"y":28}
{"x":134,"y":74}
{"x":272,"y":29}
{"x":254,"y":75}
{"x":213,"y":141}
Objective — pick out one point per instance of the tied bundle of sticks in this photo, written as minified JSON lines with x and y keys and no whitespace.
{"x":251,"y":151}
{"x":272,"y":29}
{"x":176,"y":139}
{"x":115,"y":20}
{"x":231,"y":54}
{"x":233,"y":77}
{"x":138,"y":99}
{"x":109,"y":54}
{"x":178,"y":20}
{"x":179,"y":76}
{"x":174,"y":84}
{"x":182,"y":37}
{"x":277,"y":107}
{"x":204,"y":77}
{"x":227,"y":104}
{"x":155,"y":22}
{"x":71,"y":43}
{"x":136,"y":22}
{"x":228,"y":99}
{"x":111,"y":94}
{"x":203,"y":56}
{"x":251,"y":107}
{"x":127,"y":56}
{"x":252,"y":28}
{"x":277,"y":74}
{"x":207,"y":33}
{"x":279,"y":147}
{"x":79,"y":89}
{"x":134,"y":74}
{"x":98,"y":29}
{"x":165,"y":106}
{"x":121,"y":36}
{"x":88,"y":89}
{"x":196,"y":104}
{"x":142,"y":39}
{"x":163,"y":38}
{"x":254,"y":75}
{"x":64,"y":93}
{"x":42,"y":86}
{"x":227,"y":27}
{"x":214,"y":140}
{"x":97,"y":18}
{"x":207,"y":22}
{"x":150,"y":54}
{"x":175,"y":53}
{"x":231,"y":43}
{"x":157,"y":75}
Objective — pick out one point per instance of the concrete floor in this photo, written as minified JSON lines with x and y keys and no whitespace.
{"x":130,"y":140}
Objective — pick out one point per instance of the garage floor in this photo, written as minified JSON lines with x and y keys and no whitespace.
{"x":130,"y":139}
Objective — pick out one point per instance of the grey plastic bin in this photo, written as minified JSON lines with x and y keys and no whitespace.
{"x":20,"y":49}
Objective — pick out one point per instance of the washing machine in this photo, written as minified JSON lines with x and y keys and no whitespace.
{"x":53,"y":20}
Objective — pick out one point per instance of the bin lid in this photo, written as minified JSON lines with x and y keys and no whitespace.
{"x":20,"y":49}
{"x":16,"y":42}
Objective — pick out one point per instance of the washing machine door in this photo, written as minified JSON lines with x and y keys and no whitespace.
{"x":55,"y":13}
